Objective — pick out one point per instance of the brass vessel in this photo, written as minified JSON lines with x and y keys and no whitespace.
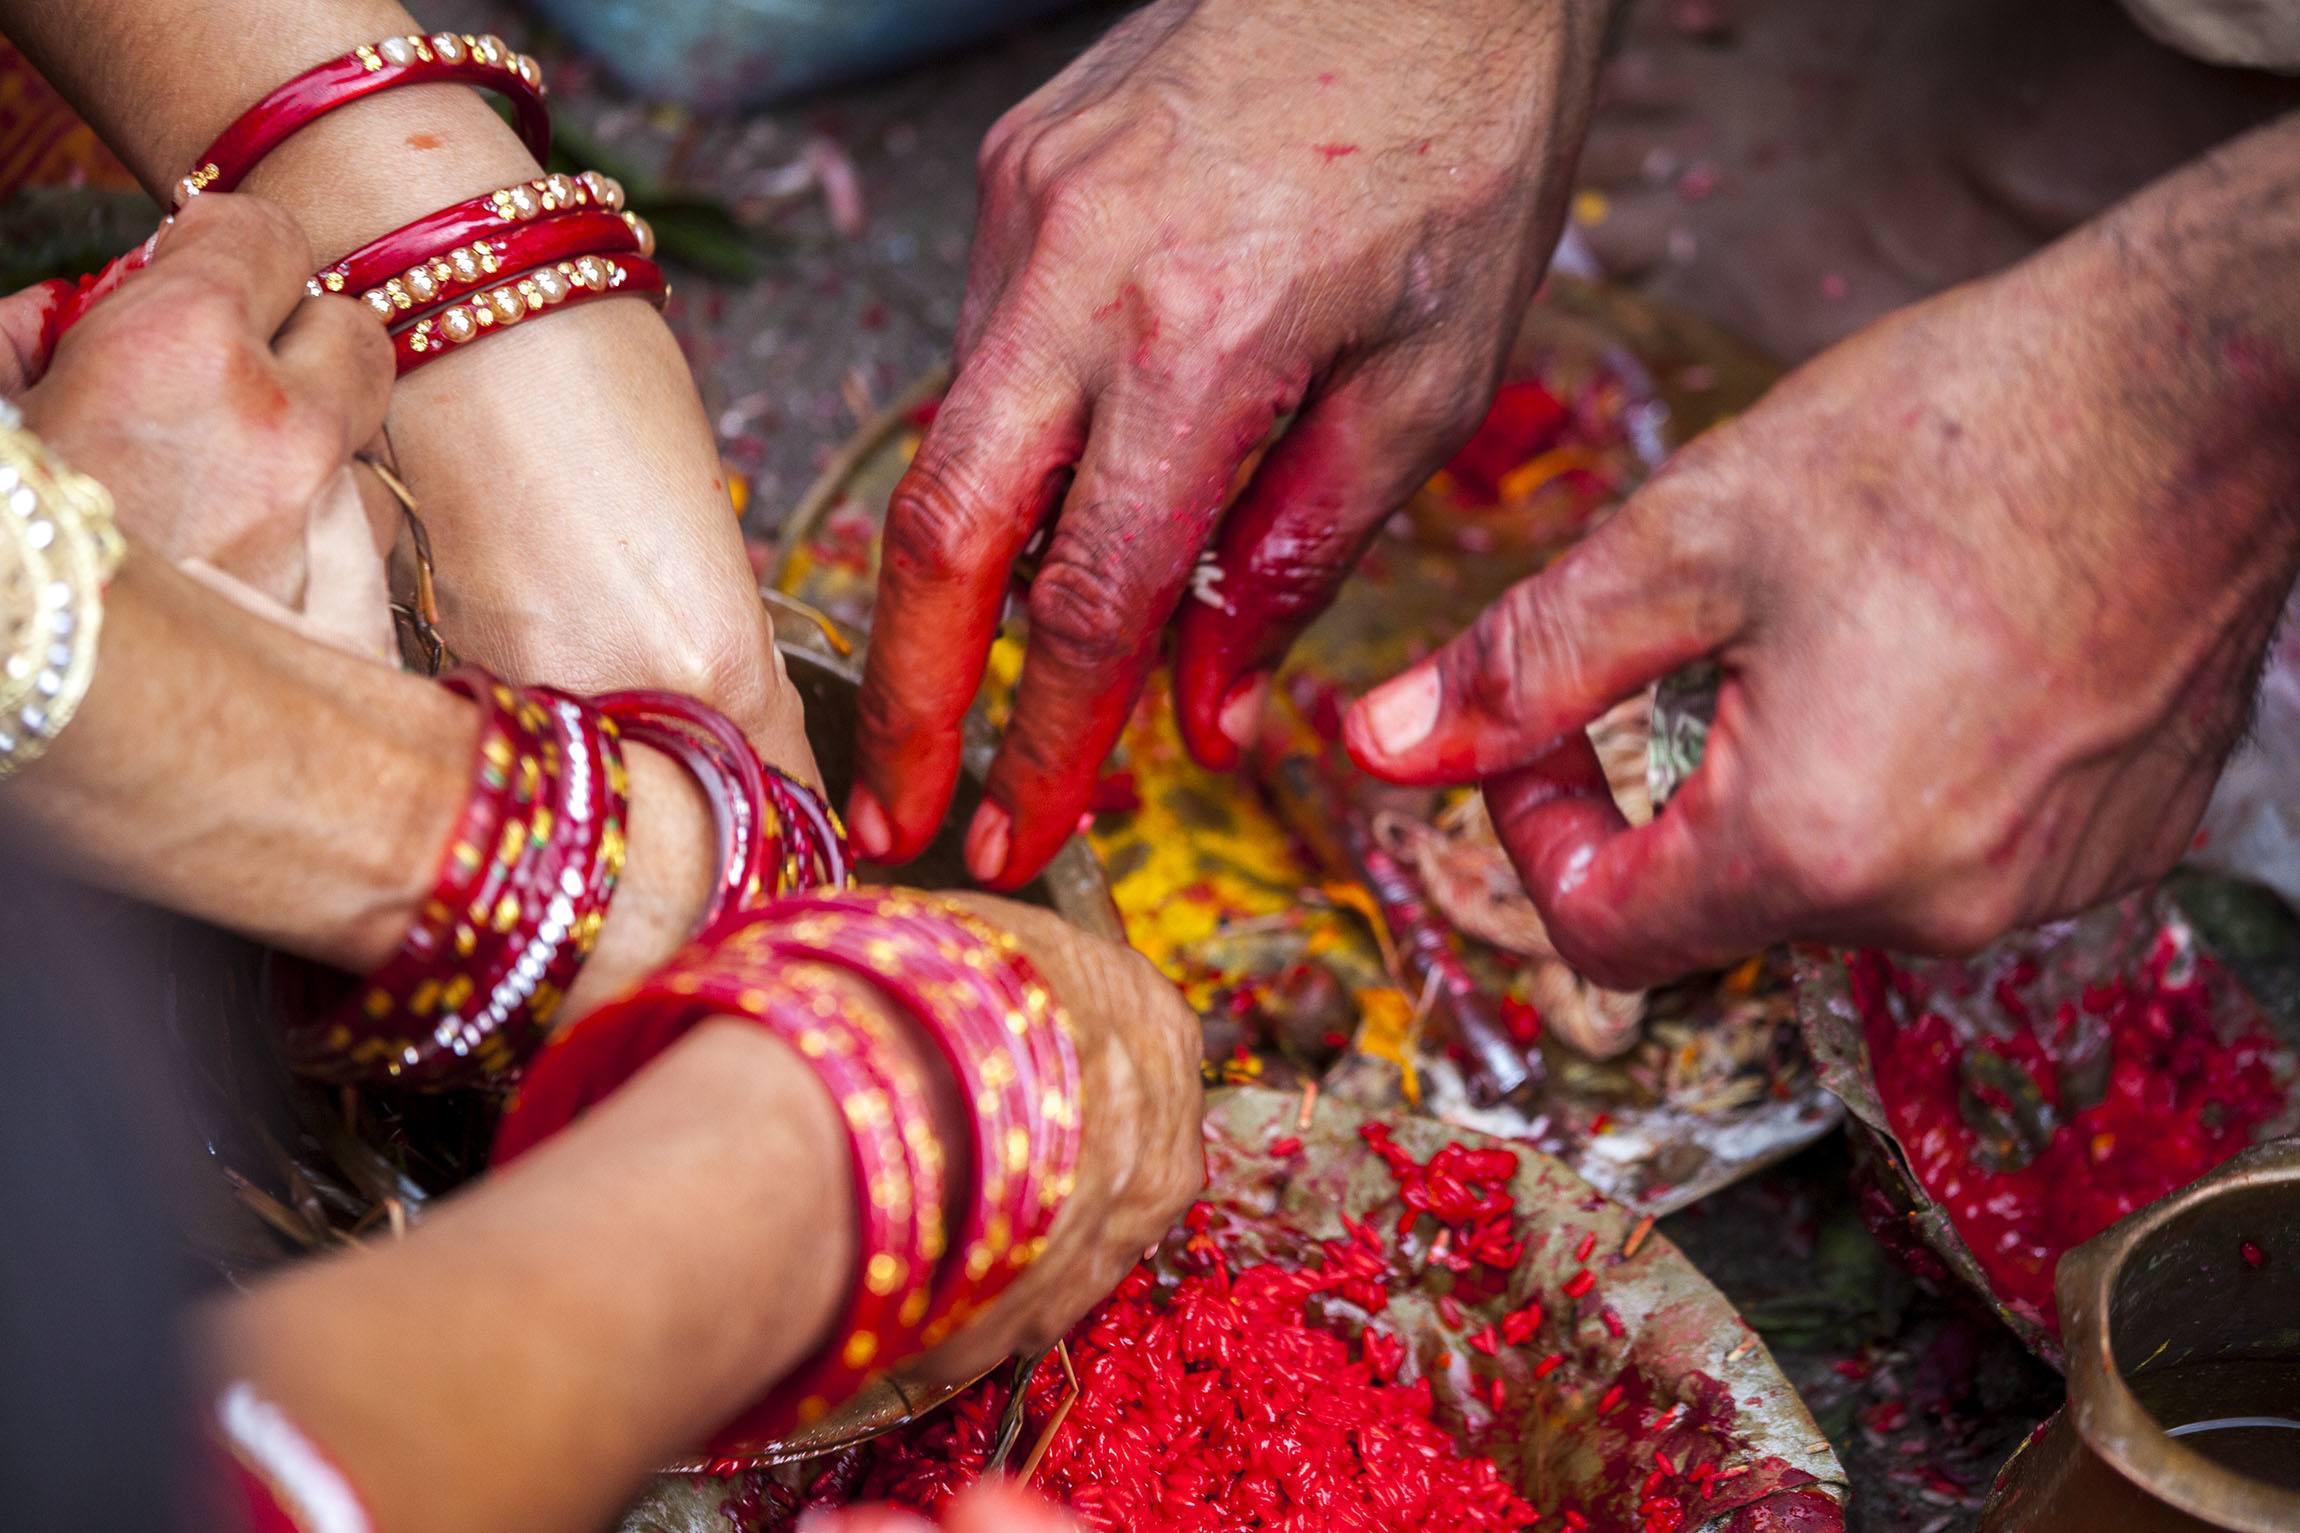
{"x":2182,"y":1325}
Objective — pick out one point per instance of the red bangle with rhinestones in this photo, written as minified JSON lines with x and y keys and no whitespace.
{"x":465,"y":269}
{"x":440,"y":58}
{"x":568,"y":284}
{"x":423,"y":255}
{"x":515,"y":909}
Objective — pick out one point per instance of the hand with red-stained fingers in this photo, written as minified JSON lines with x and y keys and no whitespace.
{"x":1227,"y":214}
{"x":1989,"y":583}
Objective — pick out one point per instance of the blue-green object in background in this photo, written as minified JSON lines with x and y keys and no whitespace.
{"x":730,"y":55}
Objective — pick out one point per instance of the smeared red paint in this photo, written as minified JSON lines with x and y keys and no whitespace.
{"x":2173,"y":1099}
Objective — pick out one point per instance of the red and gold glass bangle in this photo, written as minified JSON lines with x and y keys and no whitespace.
{"x":817,"y":856}
{"x":997,"y":1026}
{"x":441,"y":58}
{"x":432,"y":241}
{"x":516,"y":909}
{"x":522,"y":247}
{"x":882,"y":1322}
{"x":567,"y":886}
{"x":738,"y":815}
{"x":565,"y":285}
{"x":360,"y":1039}
{"x":802,"y":843}
{"x":900,"y":1182}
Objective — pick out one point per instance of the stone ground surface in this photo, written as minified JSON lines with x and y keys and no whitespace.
{"x":863,"y":203}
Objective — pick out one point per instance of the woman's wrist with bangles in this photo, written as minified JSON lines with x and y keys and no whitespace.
{"x":527,"y":881}
{"x":479,"y":260}
{"x":949,"y":1211}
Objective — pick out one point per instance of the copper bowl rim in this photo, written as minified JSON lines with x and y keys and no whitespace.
{"x":2112,"y":1422}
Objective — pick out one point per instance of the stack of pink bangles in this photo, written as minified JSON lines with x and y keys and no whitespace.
{"x":994,"y":1025}
{"x":525,"y":881}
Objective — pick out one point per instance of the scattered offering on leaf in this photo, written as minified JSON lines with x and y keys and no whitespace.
{"x":2036,"y":1110}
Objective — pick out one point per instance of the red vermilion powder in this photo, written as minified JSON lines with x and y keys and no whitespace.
{"x":1225,"y":1399}
{"x":2175,"y":1100}
{"x":1235,"y":1396}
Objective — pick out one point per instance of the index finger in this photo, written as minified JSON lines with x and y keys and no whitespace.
{"x":1153,"y":480}
{"x":991,"y":466}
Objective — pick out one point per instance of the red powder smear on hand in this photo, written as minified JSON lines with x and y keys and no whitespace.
{"x":2178,"y":1099}
{"x":1525,"y":421}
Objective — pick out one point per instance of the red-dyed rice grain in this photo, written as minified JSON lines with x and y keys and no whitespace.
{"x":1580,"y":1283}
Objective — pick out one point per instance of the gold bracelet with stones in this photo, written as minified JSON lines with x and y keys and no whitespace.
{"x":58,"y":548}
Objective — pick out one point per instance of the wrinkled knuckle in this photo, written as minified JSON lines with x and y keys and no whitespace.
{"x":1072,"y":211}
{"x":1078,"y":607}
{"x":211,"y":309}
{"x":936,"y":527}
{"x":996,"y":160}
{"x":1492,"y":674}
{"x":1045,"y":163}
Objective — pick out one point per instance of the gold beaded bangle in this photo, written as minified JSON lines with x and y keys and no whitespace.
{"x":58,"y":548}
